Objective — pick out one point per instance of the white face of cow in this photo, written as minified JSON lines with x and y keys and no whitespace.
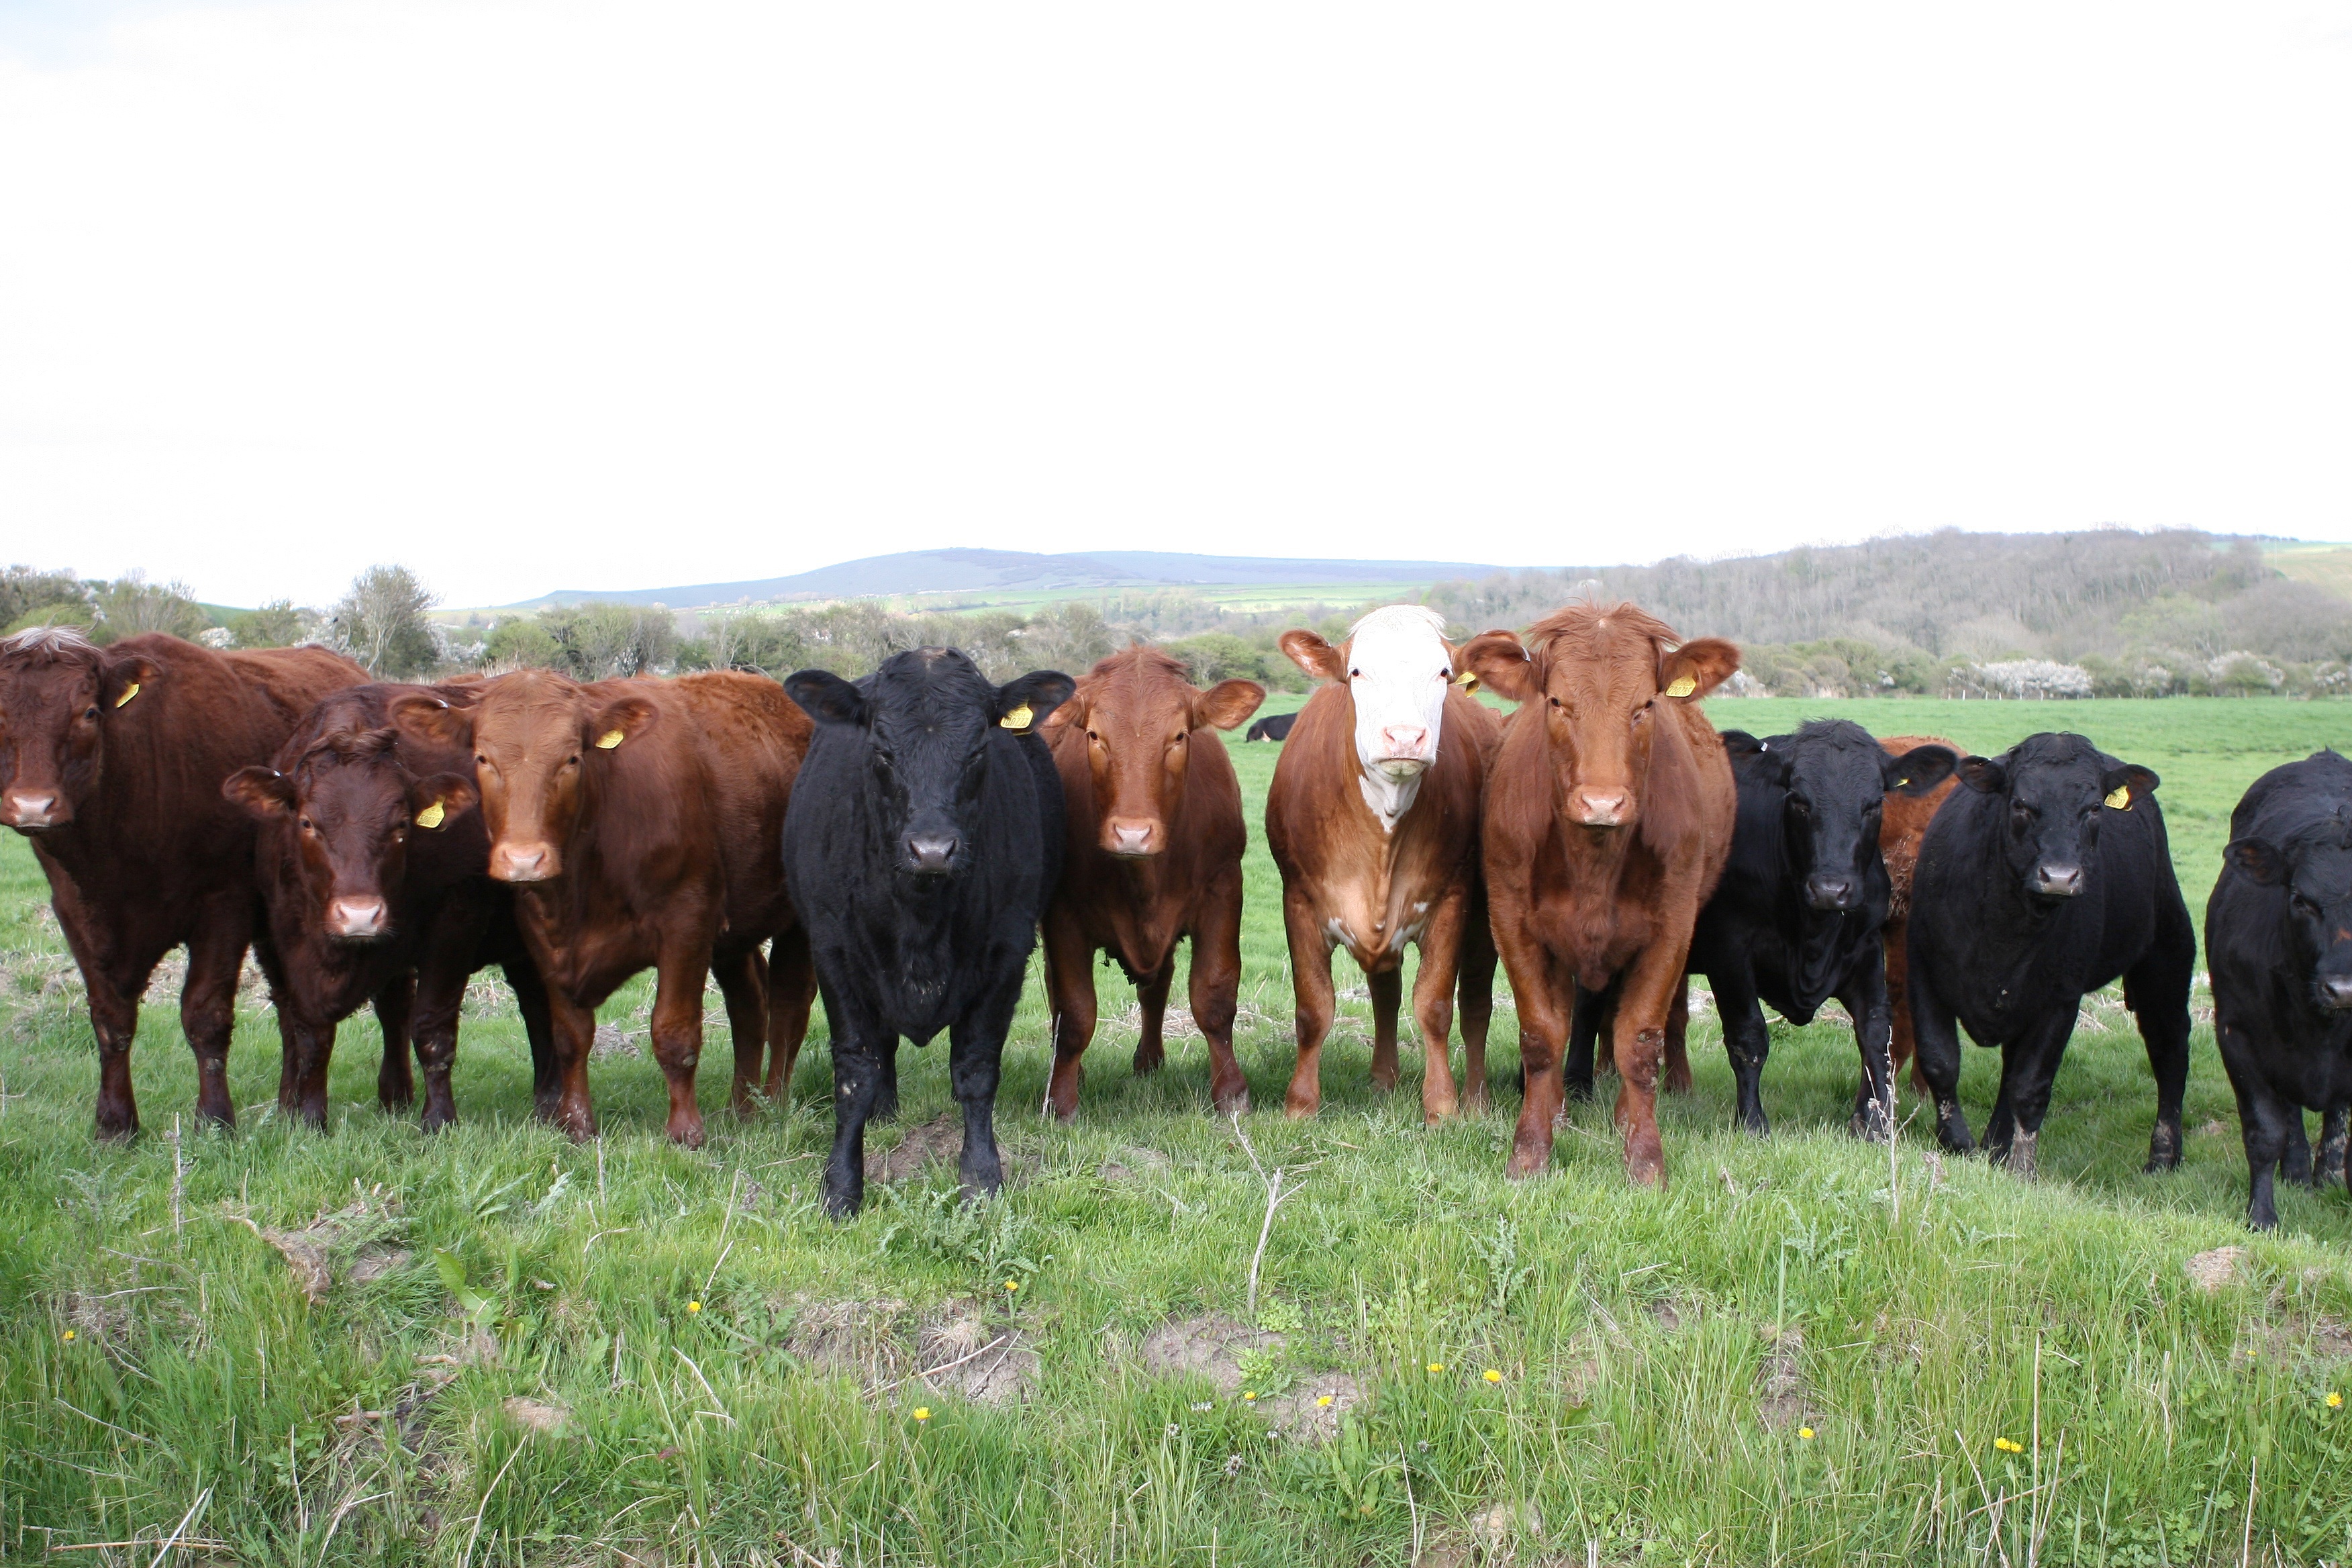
{"x":1398,"y":669}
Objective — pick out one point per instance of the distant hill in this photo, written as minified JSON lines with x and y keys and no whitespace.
{"x":1019,"y":571}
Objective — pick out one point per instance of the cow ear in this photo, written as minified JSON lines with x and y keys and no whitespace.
{"x":1990,"y":774}
{"x":1695,"y":668}
{"x":2258,"y":858}
{"x":1918,"y":770}
{"x":124,"y":676}
{"x":1226,"y":704}
{"x":263,"y":793}
{"x":2122,"y":785}
{"x":622,"y":719}
{"x":825,"y":696}
{"x":429,"y":720}
{"x":1763,"y":761}
{"x":1740,"y":744}
{"x":1310,"y":653}
{"x":1500,"y":663}
{"x":433,"y":802}
{"x":1022,"y":701}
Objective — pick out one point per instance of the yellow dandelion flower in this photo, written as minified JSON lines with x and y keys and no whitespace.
{"x":922,"y":1413}
{"x":1493,"y":1375}
{"x":1323,"y":1401}
{"x":70,"y":1333}
{"x":1250,"y":1395}
{"x":2006,"y":1447}
{"x":1012,"y":1284}
{"x":694,"y":1306}
{"x":1806,"y":1433}
{"x":2334,"y":1400}
{"x":1436,"y":1366}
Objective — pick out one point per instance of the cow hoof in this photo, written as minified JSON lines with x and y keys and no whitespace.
{"x":435,"y":1120}
{"x":1150,"y":1063}
{"x":1431,"y":1115}
{"x":843,"y":1206}
{"x":1476,"y":1103}
{"x":116,"y":1130}
{"x":689,"y":1136}
{"x":1678,"y":1080}
{"x":1526,"y":1162}
{"x":1237,"y":1103}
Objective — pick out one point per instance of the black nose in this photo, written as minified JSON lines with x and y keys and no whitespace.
{"x":1824,"y":891}
{"x":928,"y":855}
{"x":2053,"y":881}
{"x":2335,"y":992}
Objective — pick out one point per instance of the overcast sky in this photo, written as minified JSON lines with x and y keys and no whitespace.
{"x":599,"y":295}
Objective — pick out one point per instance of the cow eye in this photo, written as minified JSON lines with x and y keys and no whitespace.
{"x":308,"y":826}
{"x":1355,"y":675}
{"x":2304,"y":907}
{"x":1801,"y":806}
{"x":93,"y":714}
{"x":1553,"y":700}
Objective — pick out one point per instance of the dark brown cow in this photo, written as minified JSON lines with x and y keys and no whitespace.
{"x":1607,"y":817}
{"x":1899,"y":832}
{"x":375,"y":870}
{"x":110,"y":762}
{"x":1155,"y":856}
{"x":1373,"y":820}
{"x":640,"y":822}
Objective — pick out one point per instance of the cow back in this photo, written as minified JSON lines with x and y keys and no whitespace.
{"x":1906,"y":823}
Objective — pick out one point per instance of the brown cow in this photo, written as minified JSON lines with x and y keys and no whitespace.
{"x":110,"y":762}
{"x":1899,"y":832}
{"x":1155,"y":839}
{"x":1373,"y":820}
{"x":375,"y":870}
{"x":640,"y":823}
{"x":1607,"y":817}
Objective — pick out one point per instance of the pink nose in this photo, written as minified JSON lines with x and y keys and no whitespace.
{"x":1599,"y":808}
{"x":1132,"y":836}
{"x":521,"y":863}
{"x":357,"y":918}
{"x":1404,"y":740}
{"x":31,"y":810}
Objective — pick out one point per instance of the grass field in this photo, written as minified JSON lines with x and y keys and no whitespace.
{"x":494,"y":1346}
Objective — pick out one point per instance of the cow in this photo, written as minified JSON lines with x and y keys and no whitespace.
{"x":924,"y":843}
{"x":111,"y":763}
{"x":2043,"y":878}
{"x":637,"y":821}
{"x":1797,"y":919}
{"x":1900,"y":829}
{"x":1607,"y":818}
{"x":1153,"y":857}
{"x":2278,"y":940}
{"x":1373,"y":821}
{"x":1274,"y":727}
{"x":375,"y":869}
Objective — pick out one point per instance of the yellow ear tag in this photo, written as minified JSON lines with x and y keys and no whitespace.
{"x":609,"y":739}
{"x":1018,"y":719}
{"x":1467,"y":680}
{"x":2121,"y":799}
{"x":431,"y":816}
{"x":1682,"y":687}
{"x":129,"y":692}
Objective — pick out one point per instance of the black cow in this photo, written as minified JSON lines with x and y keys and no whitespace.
{"x":1797,"y":917}
{"x":2278,"y":939}
{"x":1272,"y":727}
{"x":2045,"y":878}
{"x":923,"y":842}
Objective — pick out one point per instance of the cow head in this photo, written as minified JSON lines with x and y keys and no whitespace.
{"x":1600,"y":674}
{"x":1832,"y":780}
{"x":2056,"y":789}
{"x":2315,"y":868}
{"x":1138,"y":715}
{"x":59,"y":694}
{"x":1395,"y":667}
{"x":540,"y":743}
{"x":925,"y":719}
{"x":350,"y":808}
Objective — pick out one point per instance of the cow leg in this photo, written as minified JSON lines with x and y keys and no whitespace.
{"x":1070,"y":994}
{"x":886,"y":1083}
{"x":975,"y":1055}
{"x":539,"y":1027}
{"x":1584,"y":1028}
{"x":1387,"y":986}
{"x":395,"y":1083}
{"x":2263,"y":1118}
{"x":1475,"y":1000}
{"x":293,"y":1049}
{"x":1543,"y":1027}
{"x":114,"y":1018}
{"x":1312,"y":998}
{"x":2327,"y":1169}
{"x":208,"y":1005}
{"x":573,"y":1030}
{"x":791,"y":989}
{"x":1432,"y":1007}
{"x":1151,"y":1013}
{"x":1214,"y":982}
{"x":1678,"y":1074}
{"x":1746,"y":1041}
{"x":2157,"y":992}
{"x":301,"y":1049}
{"x":859,"y":1048}
{"x":678,"y":1038}
{"x":440,"y":997}
{"x":1644,"y":998}
{"x":1865,"y":999}
{"x":1936,"y":1033}
{"x":1900,"y":1044}
{"x":743,"y":988}
{"x":2029,"y":1072}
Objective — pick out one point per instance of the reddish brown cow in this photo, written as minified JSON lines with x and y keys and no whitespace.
{"x":1154,"y":817}
{"x":375,"y":870}
{"x":1899,"y":832}
{"x":1373,"y":820}
{"x":1608,"y":818}
{"x":110,"y":762}
{"x":640,"y":823}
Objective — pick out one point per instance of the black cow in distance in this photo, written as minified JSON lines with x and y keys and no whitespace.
{"x":1274,"y":727}
{"x":2278,"y":940}
{"x":2045,"y":878}
{"x":923,"y":842}
{"x":1798,"y":915}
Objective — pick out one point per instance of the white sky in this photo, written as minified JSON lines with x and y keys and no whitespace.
{"x":603,"y":295}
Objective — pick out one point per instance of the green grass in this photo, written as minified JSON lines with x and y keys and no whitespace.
{"x":1930,"y":1306}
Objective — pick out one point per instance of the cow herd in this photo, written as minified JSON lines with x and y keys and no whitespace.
{"x":901,"y":843}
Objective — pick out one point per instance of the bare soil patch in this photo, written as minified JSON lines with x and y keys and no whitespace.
{"x":1211,"y":1347}
{"x":1781,"y":1399}
{"x":2209,"y":1271}
{"x":1310,"y":1412}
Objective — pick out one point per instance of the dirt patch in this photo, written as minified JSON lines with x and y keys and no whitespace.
{"x":1132,"y":1163}
{"x":858,"y":1339}
{"x":1310,"y":1413}
{"x":613,"y":1042}
{"x":1781,"y":1392}
{"x":955,"y":1350}
{"x":1210,"y":1347}
{"x":538,"y":1415}
{"x":2209,"y":1271}
{"x":2318,"y":1342}
{"x":375,"y":1262}
{"x":352,"y":1236}
{"x":960,"y":1352}
{"x":940,"y":1138}
{"x":1671,"y":1312}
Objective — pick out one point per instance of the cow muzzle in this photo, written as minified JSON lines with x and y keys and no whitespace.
{"x":2055,"y":879}
{"x":30,"y":812}
{"x":2333,"y":992}
{"x":523,"y":862}
{"x":1600,"y":807}
{"x":1824,"y":891}
{"x":929,"y":853}
{"x":1132,"y":837}
{"x":1405,"y":750}
{"x":359,"y":920}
